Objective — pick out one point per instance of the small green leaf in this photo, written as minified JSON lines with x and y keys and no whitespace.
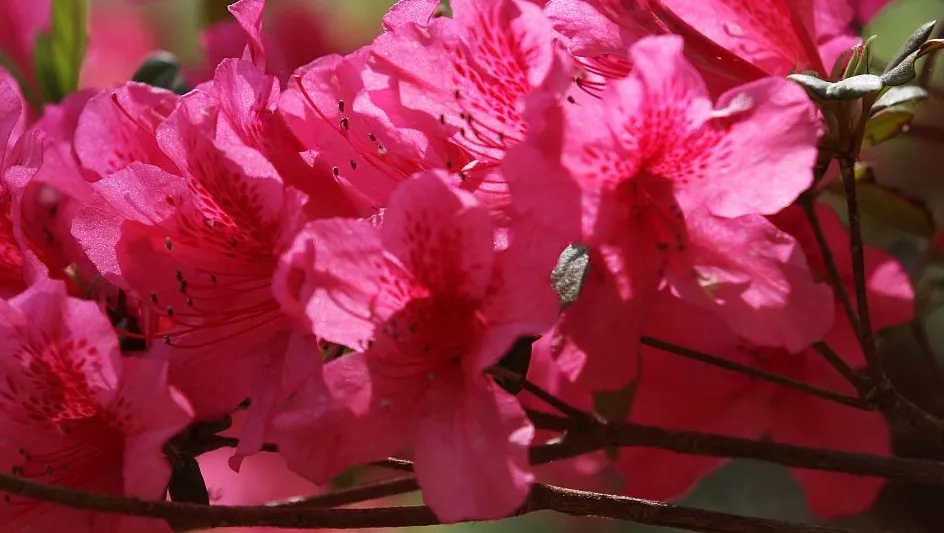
{"x":59,"y":54}
{"x":917,"y":39}
{"x":908,"y":95}
{"x":860,"y":60}
{"x":847,"y":89}
{"x":905,"y":71}
{"x":887,"y":124}
{"x":854,"y":87}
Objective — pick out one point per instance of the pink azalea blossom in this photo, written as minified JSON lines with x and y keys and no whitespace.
{"x":12,"y":121}
{"x":77,"y":414}
{"x":720,"y":401}
{"x":729,"y":41}
{"x":358,"y":133}
{"x":119,"y":127}
{"x":470,"y":72}
{"x":663,"y":185}
{"x":432,"y":307}
{"x":199,"y":248}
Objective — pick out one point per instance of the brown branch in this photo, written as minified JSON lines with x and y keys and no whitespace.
{"x":832,"y":270}
{"x":581,"y":503}
{"x":338,"y":498}
{"x":542,"y":498}
{"x":843,"y":368}
{"x":857,"y":249}
{"x":754,"y":372}
{"x":707,"y":444}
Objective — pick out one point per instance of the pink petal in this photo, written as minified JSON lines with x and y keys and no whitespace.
{"x":109,"y":137}
{"x":699,"y":148}
{"x":154,"y":413}
{"x":478,"y":433}
{"x":352,"y":418}
{"x":776,"y":35}
{"x":409,"y":11}
{"x":442,"y":235}
{"x":756,"y":277}
{"x":340,"y":293}
{"x":12,"y":115}
{"x":595,"y":27}
{"x":248,"y":14}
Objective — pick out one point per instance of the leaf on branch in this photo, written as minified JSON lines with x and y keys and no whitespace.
{"x":887,"y":124}
{"x":914,"y":42}
{"x":847,"y":89}
{"x":905,"y":71}
{"x":59,"y":54}
{"x":902,"y":95}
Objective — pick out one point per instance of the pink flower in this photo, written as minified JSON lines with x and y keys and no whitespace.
{"x":199,"y":248}
{"x":599,"y":34}
{"x":73,"y":412}
{"x":729,"y":41}
{"x":719,"y":401}
{"x":470,"y":72}
{"x":352,"y":122}
{"x":779,"y":36}
{"x":12,"y":121}
{"x":662,"y":185}
{"x":433,"y":305}
{"x":119,"y":127}
{"x":247,"y":100}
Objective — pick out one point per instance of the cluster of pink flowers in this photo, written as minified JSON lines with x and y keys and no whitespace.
{"x":352,"y":248}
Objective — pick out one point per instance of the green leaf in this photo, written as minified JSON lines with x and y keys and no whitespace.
{"x":917,"y":39}
{"x":903,"y":95}
{"x":887,"y":124}
{"x":59,"y":54}
{"x":905,"y":71}
{"x":847,"y":89}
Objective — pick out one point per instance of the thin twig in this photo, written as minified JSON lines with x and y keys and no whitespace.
{"x":754,"y":372}
{"x":373,"y":491}
{"x":857,"y":249}
{"x":581,"y":503}
{"x":711,"y":445}
{"x":832,"y":270}
{"x":842,"y":367}
{"x":542,"y":498}
{"x":555,"y":402}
